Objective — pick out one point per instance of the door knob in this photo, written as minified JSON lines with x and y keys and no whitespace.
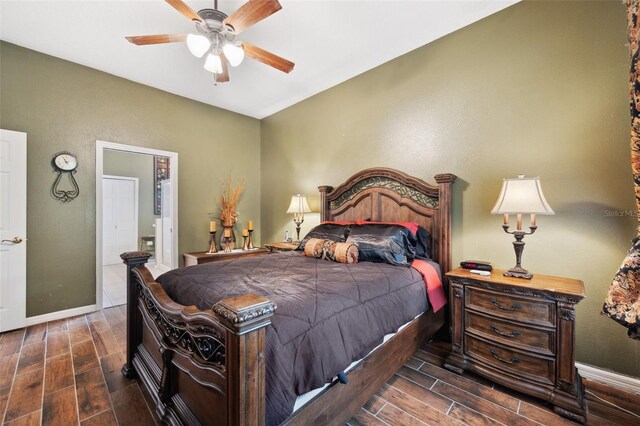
{"x":15,"y":240}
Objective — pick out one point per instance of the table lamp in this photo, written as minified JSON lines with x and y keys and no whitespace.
{"x":298,"y":207}
{"x":520,"y":196}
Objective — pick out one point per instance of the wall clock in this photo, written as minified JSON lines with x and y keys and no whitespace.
{"x":65,"y":163}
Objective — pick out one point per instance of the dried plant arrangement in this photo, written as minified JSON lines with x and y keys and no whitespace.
{"x":229,"y":202}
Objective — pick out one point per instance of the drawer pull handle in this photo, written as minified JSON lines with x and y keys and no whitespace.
{"x":514,"y":360}
{"x":514,"y":307}
{"x":515,"y":333}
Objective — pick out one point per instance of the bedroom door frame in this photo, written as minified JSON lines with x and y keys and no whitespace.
{"x":173,"y":177}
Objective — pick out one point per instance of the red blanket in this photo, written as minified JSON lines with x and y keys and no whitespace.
{"x":437,"y":298}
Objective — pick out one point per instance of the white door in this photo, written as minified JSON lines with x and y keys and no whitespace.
{"x":119,"y":217}
{"x":13,"y":229}
{"x":167,"y":231}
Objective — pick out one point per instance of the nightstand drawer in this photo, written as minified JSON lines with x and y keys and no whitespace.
{"x":534,"y":368}
{"x":527,"y":310}
{"x":509,"y":333}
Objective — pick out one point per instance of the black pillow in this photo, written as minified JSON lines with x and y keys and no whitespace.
{"x":326,"y":231}
{"x":393,"y":244}
{"x":423,"y":246}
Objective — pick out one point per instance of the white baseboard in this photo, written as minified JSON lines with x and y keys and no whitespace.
{"x":52,"y":316}
{"x":610,"y":378}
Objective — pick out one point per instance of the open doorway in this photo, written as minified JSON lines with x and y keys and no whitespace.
{"x":136,"y":209}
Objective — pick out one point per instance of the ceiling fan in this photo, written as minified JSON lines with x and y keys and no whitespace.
{"x":217,"y":34}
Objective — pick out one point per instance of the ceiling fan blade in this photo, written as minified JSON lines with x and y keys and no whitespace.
{"x":157,"y":39}
{"x":250,"y":13}
{"x":181,"y":7}
{"x":268,"y":58}
{"x":224,"y":75}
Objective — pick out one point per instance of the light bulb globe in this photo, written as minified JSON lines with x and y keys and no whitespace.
{"x":213,"y":64}
{"x":198,"y":44}
{"x":234,"y":53}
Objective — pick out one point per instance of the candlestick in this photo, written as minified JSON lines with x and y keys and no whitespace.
{"x":250,"y":225}
{"x":245,"y":239}
{"x":212,"y":242}
{"x":250,"y":242}
{"x":533,"y":219}
{"x":506,"y":218}
{"x":228,"y":240}
{"x":212,"y":227}
{"x":519,"y":221}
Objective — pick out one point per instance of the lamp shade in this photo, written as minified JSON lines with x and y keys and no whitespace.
{"x":234,"y":53}
{"x":213,"y":64}
{"x":522,"y":195}
{"x":198,"y":44}
{"x":299,"y":204}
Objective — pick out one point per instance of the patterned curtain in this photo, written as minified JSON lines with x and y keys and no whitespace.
{"x":623,"y":299}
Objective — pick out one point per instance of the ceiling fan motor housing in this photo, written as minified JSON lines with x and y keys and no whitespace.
{"x":213,"y":19}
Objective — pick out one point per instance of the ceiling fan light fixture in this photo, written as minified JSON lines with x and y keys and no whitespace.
{"x":198,"y":44}
{"x":234,"y":52}
{"x":213,"y":63}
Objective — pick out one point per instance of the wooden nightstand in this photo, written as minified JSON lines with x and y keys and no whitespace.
{"x":519,"y":333}
{"x":281,"y":246}
{"x":200,"y":257}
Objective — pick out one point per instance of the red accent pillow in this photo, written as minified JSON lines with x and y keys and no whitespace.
{"x":411,"y":226}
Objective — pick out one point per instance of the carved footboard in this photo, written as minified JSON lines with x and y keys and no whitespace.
{"x":196,"y":364}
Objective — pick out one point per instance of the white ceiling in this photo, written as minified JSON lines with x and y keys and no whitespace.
{"x":329,"y":41}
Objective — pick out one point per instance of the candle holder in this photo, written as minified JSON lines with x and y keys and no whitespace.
{"x":245,"y":239}
{"x":228,"y":240}
{"x":212,"y":243}
{"x":231,"y":239}
{"x":250,"y":240}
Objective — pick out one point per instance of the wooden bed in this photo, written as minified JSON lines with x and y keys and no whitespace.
{"x":207,"y":366}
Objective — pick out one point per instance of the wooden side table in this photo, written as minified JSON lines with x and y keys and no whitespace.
{"x":519,"y":333}
{"x":281,"y":246}
{"x":200,"y":257}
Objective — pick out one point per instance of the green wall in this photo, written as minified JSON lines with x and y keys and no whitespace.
{"x":540,"y":89}
{"x":65,"y":106}
{"x":131,"y":164}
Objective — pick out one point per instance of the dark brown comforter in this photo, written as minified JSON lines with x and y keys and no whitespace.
{"x":329,"y":314}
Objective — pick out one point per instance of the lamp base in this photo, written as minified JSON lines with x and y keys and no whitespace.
{"x":518,"y":272}
{"x":298,"y":232}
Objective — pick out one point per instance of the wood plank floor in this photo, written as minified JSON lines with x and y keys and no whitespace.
{"x":423,"y":392}
{"x":67,"y":372}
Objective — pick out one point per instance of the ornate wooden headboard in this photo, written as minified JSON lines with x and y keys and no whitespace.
{"x":387,"y":195}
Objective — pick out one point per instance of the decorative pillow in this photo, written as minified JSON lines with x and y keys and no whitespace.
{"x":378,"y":242}
{"x":326,"y":231}
{"x":423,"y":246}
{"x":330,"y":250}
{"x":412,"y":226}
